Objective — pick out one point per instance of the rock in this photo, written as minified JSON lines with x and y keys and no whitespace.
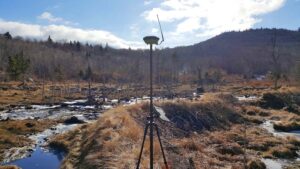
{"x":36,"y":118}
{"x":256,"y":164}
{"x":63,"y":105}
{"x":28,"y":107}
{"x":29,"y":125}
{"x":73,"y":120}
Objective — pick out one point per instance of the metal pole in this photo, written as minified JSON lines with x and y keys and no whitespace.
{"x":150,"y":124}
{"x":151,"y":112}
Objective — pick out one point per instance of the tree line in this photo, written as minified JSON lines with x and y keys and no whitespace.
{"x":249,"y":53}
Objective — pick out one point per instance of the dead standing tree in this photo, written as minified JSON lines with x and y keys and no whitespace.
{"x":276,"y":72}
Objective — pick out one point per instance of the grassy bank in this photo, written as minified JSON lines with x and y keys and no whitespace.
{"x":15,"y":133}
{"x":208,"y":129}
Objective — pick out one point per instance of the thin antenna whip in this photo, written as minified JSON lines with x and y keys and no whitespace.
{"x":162,"y":35}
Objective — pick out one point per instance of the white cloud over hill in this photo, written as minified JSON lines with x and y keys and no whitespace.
{"x":207,"y":18}
{"x":62,"y":32}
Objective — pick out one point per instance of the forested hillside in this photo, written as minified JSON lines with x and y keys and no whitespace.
{"x":246,"y":53}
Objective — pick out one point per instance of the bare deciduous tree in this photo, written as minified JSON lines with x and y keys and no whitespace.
{"x":276,"y":72}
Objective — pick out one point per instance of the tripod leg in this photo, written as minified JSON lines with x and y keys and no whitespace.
{"x":161,"y":147}
{"x":141,"y":152}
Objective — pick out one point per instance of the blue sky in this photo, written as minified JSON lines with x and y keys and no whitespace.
{"x":123,"y":23}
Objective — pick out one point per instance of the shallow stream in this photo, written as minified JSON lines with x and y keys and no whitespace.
{"x":278,"y":163}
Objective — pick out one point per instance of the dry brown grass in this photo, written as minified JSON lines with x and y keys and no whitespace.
{"x":114,"y":140}
{"x":190,"y":144}
{"x":287,"y":126}
{"x":115,"y":136}
{"x":294,"y":141}
{"x":9,"y":167}
{"x":283,"y":152}
{"x":24,"y":127}
{"x":14,"y":133}
{"x":15,"y":95}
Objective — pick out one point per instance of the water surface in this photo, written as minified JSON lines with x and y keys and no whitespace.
{"x":41,"y":159}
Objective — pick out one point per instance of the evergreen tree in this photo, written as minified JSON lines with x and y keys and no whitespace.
{"x":7,"y":36}
{"x":88,"y":73}
{"x":17,"y":65}
{"x":106,"y":47}
{"x":101,"y":47}
{"x":78,"y":46}
{"x":50,"y":41}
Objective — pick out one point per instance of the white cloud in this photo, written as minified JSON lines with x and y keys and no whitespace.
{"x":154,"y":30}
{"x":207,"y":18}
{"x":134,"y":30}
{"x":147,"y":2}
{"x":50,"y":18}
{"x":61,"y":32}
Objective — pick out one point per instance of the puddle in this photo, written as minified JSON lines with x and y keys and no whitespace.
{"x":268,"y":125}
{"x":43,"y":107}
{"x":17,"y":154}
{"x":247,"y":98}
{"x":76,"y":101}
{"x":41,"y":159}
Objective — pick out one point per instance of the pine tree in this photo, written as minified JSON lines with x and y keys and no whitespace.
{"x":106,"y":47}
{"x":17,"y":65}
{"x":78,"y":46}
{"x":50,"y":41}
{"x":7,"y":36}
{"x":88,"y":73}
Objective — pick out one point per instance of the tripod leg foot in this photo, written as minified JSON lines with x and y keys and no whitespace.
{"x":141,"y":152}
{"x":161,"y":147}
